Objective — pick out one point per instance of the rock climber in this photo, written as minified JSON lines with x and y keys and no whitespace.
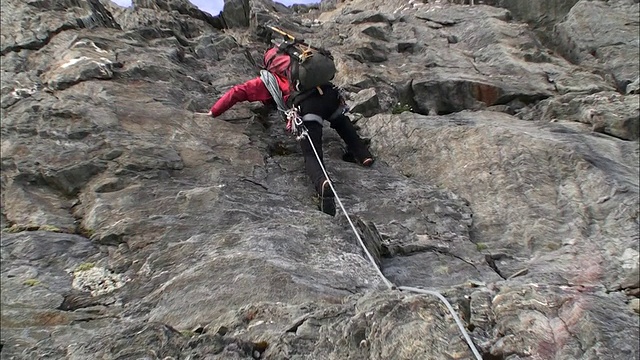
{"x":320,"y":103}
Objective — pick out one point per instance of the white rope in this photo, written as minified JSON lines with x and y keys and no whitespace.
{"x":353,"y":227}
{"x":389,"y":284}
{"x":295,"y":125}
{"x":451,"y":310}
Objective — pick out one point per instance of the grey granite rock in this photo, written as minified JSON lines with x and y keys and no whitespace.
{"x":506,"y":178}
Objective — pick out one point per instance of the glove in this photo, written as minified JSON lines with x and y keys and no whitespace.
{"x":210,"y":114}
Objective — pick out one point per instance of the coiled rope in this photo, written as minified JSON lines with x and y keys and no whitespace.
{"x":296,"y":125}
{"x":271,"y":83}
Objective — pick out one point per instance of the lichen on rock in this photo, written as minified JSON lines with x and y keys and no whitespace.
{"x":97,"y":280}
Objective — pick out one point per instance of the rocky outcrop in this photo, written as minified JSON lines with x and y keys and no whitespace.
{"x":567,"y":27}
{"x":33,"y":34}
{"x":614,"y":52}
{"x":549,"y":201}
{"x":506,"y":178}
{"x":542,"y":16}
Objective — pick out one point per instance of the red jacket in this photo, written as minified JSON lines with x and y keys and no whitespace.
{"x":252,"y":90}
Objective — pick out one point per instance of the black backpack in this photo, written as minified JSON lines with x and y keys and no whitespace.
{"x":310,"y":67}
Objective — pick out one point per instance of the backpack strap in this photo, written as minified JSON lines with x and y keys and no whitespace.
{"x":312,"y":117}
{"x":297,"y":97}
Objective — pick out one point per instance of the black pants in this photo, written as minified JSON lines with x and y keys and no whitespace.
{"x":325,"y":104}
{"x":347,"y":132}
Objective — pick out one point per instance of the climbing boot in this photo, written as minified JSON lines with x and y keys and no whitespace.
{"x":349,"y":157}
{"x":327,"y":203}
{"x":363,"y":157}
{"x":368,"y":162}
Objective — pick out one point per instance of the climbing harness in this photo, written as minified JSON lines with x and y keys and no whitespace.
{"x":295,"y":125}
{"x":294,"y":121}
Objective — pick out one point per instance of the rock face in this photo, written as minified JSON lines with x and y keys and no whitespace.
{"x":613,"y":51}
{"x":506,"y":179}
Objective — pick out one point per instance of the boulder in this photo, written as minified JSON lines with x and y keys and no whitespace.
{"x":366,"y":102}
{"x":236,"y":13}
{"x":376,"y":32}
